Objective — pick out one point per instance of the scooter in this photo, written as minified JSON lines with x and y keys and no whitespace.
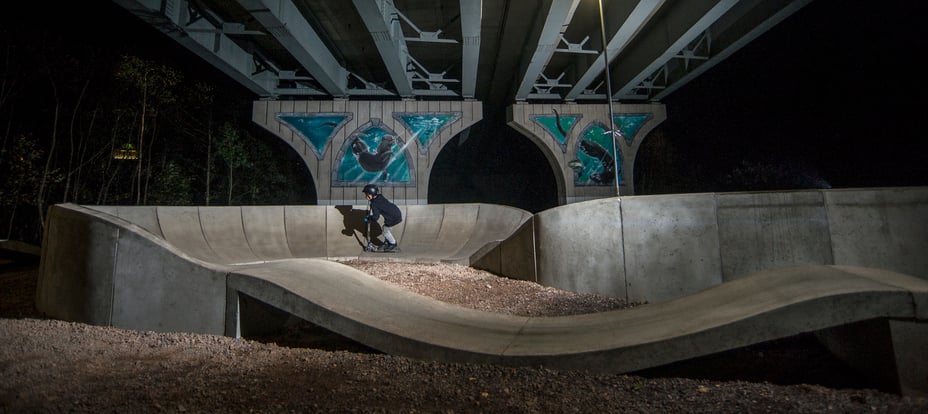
{"x":369,"y":247}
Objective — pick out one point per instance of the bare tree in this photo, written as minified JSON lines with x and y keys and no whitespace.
{"x":232,"y":151}
{"x":155,"y":85}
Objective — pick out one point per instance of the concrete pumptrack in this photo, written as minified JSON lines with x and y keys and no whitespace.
{"x":720,"y":271}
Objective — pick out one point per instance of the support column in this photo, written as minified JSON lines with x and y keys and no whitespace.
{"x":349,"y":144}
{"x":574,"y":140}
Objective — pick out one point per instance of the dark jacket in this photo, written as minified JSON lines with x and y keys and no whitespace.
{"x":391,"y":213}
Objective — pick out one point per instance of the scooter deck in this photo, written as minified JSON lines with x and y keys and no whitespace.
{"x":396,"y":250}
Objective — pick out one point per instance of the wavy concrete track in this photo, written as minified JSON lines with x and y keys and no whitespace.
{"x":757,"y":308}
{"x":205,"y":270}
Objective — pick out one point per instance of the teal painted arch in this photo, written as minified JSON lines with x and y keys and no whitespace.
{"x":317,"y":129}
{"x":374,"y":153}
{"x":424,"y":127}
{"x":558,"y":126}
{"x":629,"y":125}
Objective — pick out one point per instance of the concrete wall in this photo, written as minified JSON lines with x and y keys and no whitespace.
{"x":99,"y":271}
{"x":885,"y":229}
{"x":231,"y":235}
{"x":656,"y":248}
{"x":165,"y":268}
{"x":127,"y":266}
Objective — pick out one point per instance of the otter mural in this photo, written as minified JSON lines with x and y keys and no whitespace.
{"x":373,"y":153}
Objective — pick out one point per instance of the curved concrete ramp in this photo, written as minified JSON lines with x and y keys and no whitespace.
{"x":165,"y":268}
{"x":235,"y":235}
{"x":182,"y":269}
{"x":760,"y":307}
{"x":757,"y":308}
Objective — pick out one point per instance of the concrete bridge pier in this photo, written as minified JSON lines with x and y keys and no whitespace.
{"x":394,"y":144}
{"x":575,"y":140}
{"x":348,"y":144}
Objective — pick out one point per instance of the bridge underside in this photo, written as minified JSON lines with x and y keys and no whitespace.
{"x":338,"y":78}
{"x":499,"y":52}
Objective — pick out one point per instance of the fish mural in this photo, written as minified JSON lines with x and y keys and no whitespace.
{"x":598,"y":161}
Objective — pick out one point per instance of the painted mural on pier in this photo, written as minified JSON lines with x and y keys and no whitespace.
{"x":599,"y":163}
{"x":629,"y":125}
{"x":558,"y":126}
{"x":425,"y":126}
{"x":374,"y":153}
{"x":317,"y":129}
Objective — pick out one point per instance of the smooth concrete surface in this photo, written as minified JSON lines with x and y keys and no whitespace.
{"x":760,"y":231}
{"x":251,"y":234}
{"x":101,"y":270}
{"x":886,"y":229}
{"x":666,"y":246}
{"x":671,"y":245}
{"x":169,"y":272}
{"x":757,"y":308}
{"x":203,"y":269}
{"x":580,"y":247}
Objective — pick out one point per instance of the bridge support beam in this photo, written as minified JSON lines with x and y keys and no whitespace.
{"x":892,"y":352}
{"x":575,"y":140}
{"x":348,"y":144}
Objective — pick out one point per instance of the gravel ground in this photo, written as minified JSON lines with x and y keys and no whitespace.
{"x":54,"y":366}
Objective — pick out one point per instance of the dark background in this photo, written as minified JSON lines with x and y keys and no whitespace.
{"x":835,"y":90}
{"x":829,"y":98}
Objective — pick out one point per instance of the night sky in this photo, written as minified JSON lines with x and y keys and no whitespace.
{"x":835,"y":92}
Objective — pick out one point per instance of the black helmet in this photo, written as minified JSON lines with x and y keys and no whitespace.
{"x":371,"y":189}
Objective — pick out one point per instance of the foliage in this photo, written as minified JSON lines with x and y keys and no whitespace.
{"x":771,"y":174}
{"x":65,"y":136}
{"x":172,"y":186}
{"x":20,"y":175}
{"x":19,"y":171}
{"x":664,"y":167}
{"x":231,"y":150}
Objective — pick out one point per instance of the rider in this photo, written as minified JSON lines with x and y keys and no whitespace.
{"x":391,"y":214}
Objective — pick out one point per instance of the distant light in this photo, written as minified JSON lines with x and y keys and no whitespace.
{"x":127,"y":152}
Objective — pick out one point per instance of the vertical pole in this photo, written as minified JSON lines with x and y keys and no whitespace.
{"x":612,"y":135}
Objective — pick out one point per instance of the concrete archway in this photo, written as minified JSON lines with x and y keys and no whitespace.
{"x":348,"y":144}
{"x":572,"y":138}
{"x":495,"y":164}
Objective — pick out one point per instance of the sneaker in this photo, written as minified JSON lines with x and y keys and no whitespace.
{"x":389,"y":247}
